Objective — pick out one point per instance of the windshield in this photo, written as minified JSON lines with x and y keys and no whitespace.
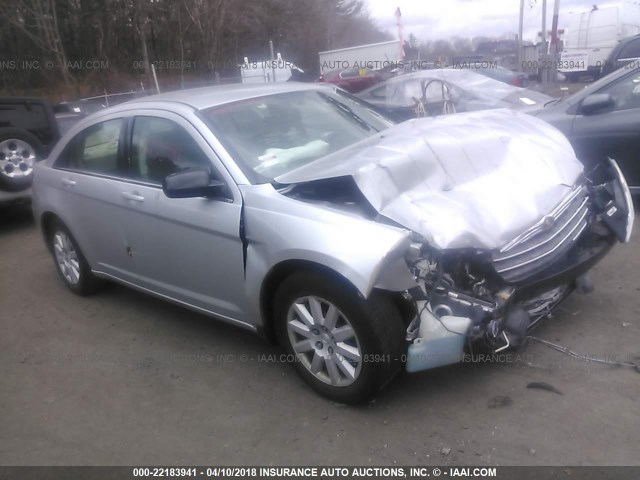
{"x":271,"y":135}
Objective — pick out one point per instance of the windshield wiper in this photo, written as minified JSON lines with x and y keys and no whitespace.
{"x":346,"y":109}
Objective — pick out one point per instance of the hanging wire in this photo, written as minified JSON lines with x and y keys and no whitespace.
{"x":585,"y":358}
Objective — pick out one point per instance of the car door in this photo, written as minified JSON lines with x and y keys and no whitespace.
{"x":188,"y":249}
{"x":91,"y":171}
{"x":613,"y":131}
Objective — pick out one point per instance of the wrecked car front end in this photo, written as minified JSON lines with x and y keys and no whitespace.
{"x":504,"y":224}
{"x":492,"y":299}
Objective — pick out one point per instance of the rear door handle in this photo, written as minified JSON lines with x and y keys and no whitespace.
{"x":133,"y":196}
{"x":68,"y":182}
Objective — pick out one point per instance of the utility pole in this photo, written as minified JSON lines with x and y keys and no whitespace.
{"x":400,"y":34}
{"x":155,"y":78}
{"x":544,"y":72}
{"x":273,"y":64}
{"x":520,"y":30}
{"x":554,"y":43}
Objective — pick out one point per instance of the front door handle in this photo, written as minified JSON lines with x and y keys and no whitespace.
{"x":68,"y":182}
{"x":133,"y":196}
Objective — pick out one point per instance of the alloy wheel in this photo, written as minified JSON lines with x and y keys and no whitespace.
{"x":16,"y":158}
{"x":66,"y":257}
{"x":324,"y":341}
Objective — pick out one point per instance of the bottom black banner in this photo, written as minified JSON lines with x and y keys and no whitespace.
{"x":324,"y":473}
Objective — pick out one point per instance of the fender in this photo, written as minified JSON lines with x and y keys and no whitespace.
{"x":366,"y":253}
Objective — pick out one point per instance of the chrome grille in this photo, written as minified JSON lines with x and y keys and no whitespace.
{"x":548,"y":239}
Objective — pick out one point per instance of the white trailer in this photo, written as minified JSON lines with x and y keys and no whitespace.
{"x":373,"y":56}
{"x":590,"y":36}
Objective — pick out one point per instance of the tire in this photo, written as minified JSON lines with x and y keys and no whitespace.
{"x":327,"y":358}
{"x":70,"y":262}
{"x":19,"y":151}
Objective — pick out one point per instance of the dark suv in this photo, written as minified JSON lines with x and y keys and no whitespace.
{"x":28,"y":131}
{"x":625,"y":53}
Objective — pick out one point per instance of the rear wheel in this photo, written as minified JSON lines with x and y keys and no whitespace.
{"x":343,"y":346}
{"x":19,"y":151}
{"x":70,"y":263}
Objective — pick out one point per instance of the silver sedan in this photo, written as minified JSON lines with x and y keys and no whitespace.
{"x":299,"y":212}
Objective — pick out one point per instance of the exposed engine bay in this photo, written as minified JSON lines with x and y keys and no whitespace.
{"x":466,"y":298}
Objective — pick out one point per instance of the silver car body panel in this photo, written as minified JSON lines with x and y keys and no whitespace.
{"x":160,"y":245}
{"x":191,"y":251}
{"x":473,"y":180}
{"x":280,"y":229}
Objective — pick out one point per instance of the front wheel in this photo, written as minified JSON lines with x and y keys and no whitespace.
{"x":345,"y":347}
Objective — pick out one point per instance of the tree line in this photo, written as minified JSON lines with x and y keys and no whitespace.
{"x":86,"y":47}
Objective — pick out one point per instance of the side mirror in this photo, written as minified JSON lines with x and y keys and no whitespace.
{"x":595,"y":103}
{"x":192,"y":184}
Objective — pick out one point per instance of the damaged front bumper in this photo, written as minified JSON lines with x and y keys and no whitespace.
{"x":494,"y":299}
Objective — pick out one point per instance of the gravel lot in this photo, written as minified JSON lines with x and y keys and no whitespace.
{"x":123,"y":378}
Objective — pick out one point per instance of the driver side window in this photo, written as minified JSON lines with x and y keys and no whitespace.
{"x":160,"y":147}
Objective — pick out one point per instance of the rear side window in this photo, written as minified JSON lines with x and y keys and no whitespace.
{"x":631,"y":50}
{"x":160,"y":147}
{"x":95,"y":150}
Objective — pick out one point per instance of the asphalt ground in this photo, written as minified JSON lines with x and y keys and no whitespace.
{"x":122,"y":378}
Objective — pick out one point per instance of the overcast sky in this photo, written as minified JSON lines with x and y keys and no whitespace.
{"x":433,"y":19}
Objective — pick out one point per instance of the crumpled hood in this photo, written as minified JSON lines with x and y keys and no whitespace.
{"x":471,"y":180}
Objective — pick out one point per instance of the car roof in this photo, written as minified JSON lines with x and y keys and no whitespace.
{"x":207,"y":97}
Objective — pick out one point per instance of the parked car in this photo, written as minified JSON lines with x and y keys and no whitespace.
{"x":603,"y":121}
{"x":445,"y":91}
{"x":627,"y":52}
{"x":352,"y":79}
{"x":296,"y":211}
{"x":69,"y":113}
{"x":517,"y":79}
{"x":28,"y":131}
{"x":490,"y":68}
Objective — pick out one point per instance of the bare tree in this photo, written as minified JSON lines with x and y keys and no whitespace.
{"x":38,"y":20}
{"x":209,"y":36}
{"x":141,"y":20}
